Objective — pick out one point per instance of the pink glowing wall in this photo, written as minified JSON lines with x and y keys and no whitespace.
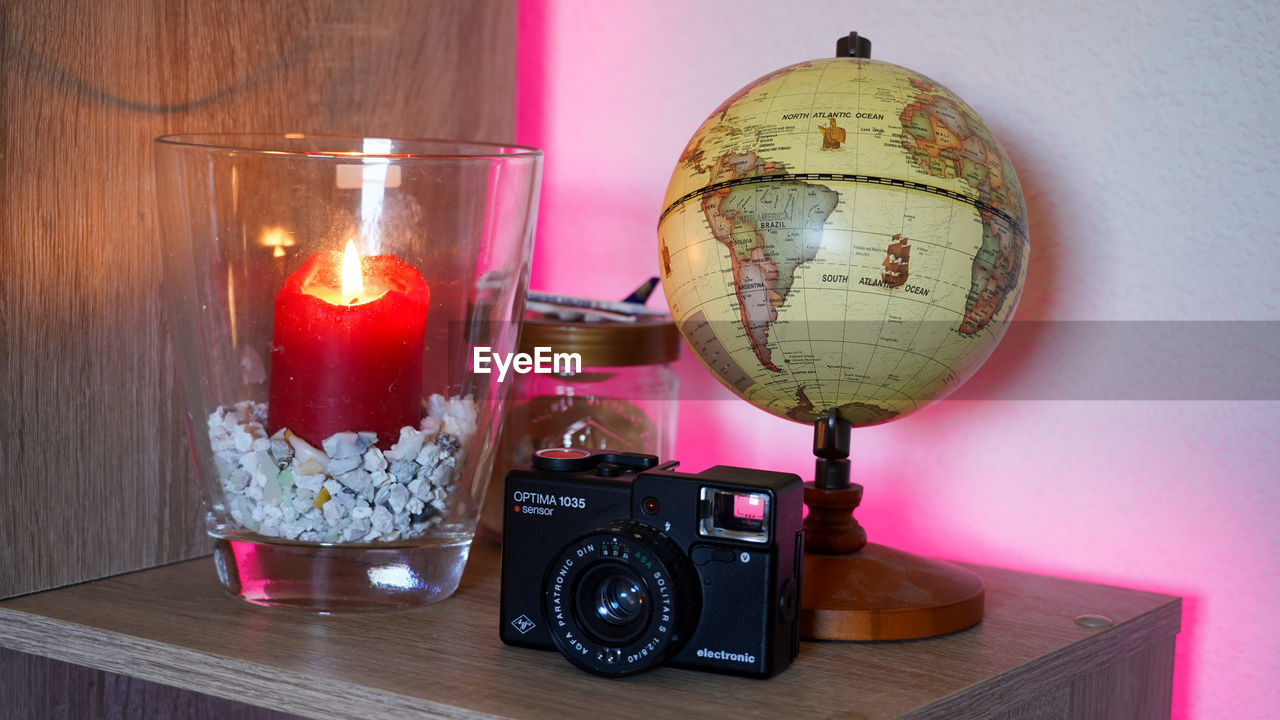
{"x":1154,"y":198}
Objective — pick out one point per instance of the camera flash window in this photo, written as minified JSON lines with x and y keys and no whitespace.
{"x":734,"y":515}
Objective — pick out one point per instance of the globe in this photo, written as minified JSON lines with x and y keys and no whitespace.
{"x":843,"y":234}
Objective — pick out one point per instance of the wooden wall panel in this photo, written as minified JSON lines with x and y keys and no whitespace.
{"x":94,"y":474}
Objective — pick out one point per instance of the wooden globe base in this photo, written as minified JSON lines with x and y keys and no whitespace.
{"x":880,"y":593}
{"x":855,"y":590}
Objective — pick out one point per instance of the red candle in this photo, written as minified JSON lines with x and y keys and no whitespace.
{"x":346,"y":354}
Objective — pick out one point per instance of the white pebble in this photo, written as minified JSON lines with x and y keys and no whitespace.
{"x":240,"y":510}
{"x":403,"y":470}
{"x":236,"y":481}
{"x":222,"y":442}
{"x":463,"y":428}
{"x":241,"y":439}
{"x":398,"y":497}
{"x":312,"y":483}
{"x":344,"y":445}
{"x":357,"y":480}
{"x":402,"y":521}
{"x":430,"y":426}
{"x":429,"y":456}
{"x":356,"y":530}
{"x":307,"y":458}
{"x":346,"y":500}
{"x":280,"y":448}
{"x":443,"y":473}
{"x":333,"y":511}
{"x":374,"y":460}
{"x":343,"y":465}
{"x":271,"y":493}
{"x":383,"y":521}
{"x":304,"y":504}
{"x":407,"y":446}
{"x":437,"y":406}
{"x":420,"y":489}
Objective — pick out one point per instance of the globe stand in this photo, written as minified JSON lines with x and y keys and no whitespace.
{"x":855,"y":590}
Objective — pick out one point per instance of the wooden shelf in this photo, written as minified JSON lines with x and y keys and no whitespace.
{"x":175,"y":626}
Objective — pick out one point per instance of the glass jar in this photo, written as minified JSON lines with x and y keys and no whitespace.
{"x":623,"y":397}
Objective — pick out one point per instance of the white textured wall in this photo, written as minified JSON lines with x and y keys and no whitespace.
{"x":1146,"y":137}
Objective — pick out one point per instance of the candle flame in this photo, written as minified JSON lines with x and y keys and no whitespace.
{"x":350,"y":287}
{"x":352,"y":278}
{"x":278,"y":239}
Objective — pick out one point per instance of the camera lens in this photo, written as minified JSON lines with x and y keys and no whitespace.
{"x":620,"y":600}
{"x":625,"y":598}
{"x":612,"y":603}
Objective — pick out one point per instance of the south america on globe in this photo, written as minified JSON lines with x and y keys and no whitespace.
{"x":843,"y":233}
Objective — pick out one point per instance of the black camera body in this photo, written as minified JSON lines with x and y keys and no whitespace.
{"x":621,"y":563}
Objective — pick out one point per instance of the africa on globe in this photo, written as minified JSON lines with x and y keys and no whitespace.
{"x":843,"y":233}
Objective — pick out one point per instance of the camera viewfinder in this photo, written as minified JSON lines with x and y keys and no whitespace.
{"x":734,"y":515}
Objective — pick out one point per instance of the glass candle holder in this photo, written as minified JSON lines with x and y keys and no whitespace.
{"x":622,"y":397}
{"x":325,"y":295}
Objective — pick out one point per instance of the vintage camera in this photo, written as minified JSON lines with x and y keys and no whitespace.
{"x":621,"y":563}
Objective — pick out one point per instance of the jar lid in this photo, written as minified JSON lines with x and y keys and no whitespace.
{"x":647,"y":341}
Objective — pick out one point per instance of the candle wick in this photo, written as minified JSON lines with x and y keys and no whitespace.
{"x":353,"y":301}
